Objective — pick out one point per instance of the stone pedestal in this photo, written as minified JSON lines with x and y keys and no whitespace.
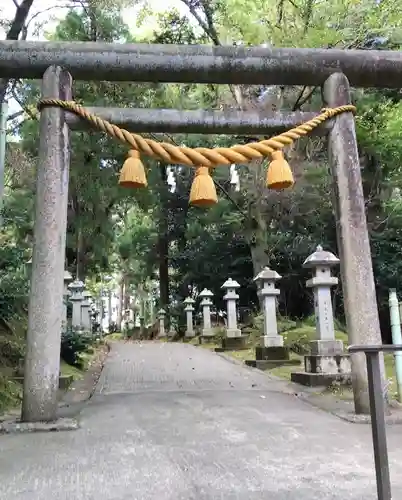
{"x":171,"y":333}
{"x":207,"y":334}
{"x":271,"y":351}
{"x":161,"y":319}
{"x":233,"y":340}
{"x":151,"y":318}
{"x":327,"y":361}
{"x":76,"y":288}
{"x":233,"y":344}
{"x":231,"y":297}
{"x":189,"y":309}
{"x":321,"y":370}
{"x":86,"y":322}
{"x":271,"y":357}
{"x":85,"y":316}
{"x":66,"y":294}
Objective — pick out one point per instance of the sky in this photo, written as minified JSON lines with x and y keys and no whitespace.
{"x":43,"y":13}
{"x":7,"y":11}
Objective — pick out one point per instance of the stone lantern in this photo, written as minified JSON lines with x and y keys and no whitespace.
{"x":207,"y":333}
{"x":326,"y":361}
{"x":189,"y":310}
{"x":161,"y":318}
{"x":234,"y":339}
{"x":66,"y":293}
{"x":268,"y":293}
{"x":271,"y":351}
{"x":76,"y":288}
{"x":231,"y":297}
{"x":85,"y":311}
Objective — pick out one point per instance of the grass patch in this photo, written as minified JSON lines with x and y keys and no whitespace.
{"x":86,"y":359}
{"x":67,"y":370}
{"x":10,"y":394}
{"x":242,"y":355}
{"x":283,"y":371}
{"x":346,"y":393}
{"x":211,"y":346}
{"x":298,"y":339}
{"x":389,"y":361}
{"x":115,"y":336}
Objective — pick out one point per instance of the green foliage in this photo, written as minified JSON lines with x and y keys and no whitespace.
{"x":73,"y":345}
{"x":10,"y":393}
{"x":13,"y":276}
{"x":298,"y":339}
{"x":134,"y":232}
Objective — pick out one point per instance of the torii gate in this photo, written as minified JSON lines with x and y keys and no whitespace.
{"x":57,"y":63}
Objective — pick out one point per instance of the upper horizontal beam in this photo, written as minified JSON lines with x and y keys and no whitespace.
{"x":197,"y":122}
{"x":202,"y":64}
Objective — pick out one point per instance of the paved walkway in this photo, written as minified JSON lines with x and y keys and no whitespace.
{"x":176,"y":422}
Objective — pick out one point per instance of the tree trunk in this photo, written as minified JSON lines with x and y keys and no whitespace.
{"x":120,"y":308}
{"x":80,"y":256}
{"x":257,"y":240}
{"x":257,"y":237}
{"x":163,"y":246}
{"x":126,"y":292}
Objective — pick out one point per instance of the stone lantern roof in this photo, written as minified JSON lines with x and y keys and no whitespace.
{"x":230,"y":284}
{"x":321,"y":258}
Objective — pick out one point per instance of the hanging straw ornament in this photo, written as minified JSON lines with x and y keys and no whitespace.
{"x":279,"y":174}
{"x":203,"y":191}
{"x":132,"y":174}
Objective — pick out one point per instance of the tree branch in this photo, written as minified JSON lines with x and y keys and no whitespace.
{"x":40,"y":12}
{"x":31,"y":114}
{"x":14,"y":32}
{"x":229,"y":197}
{"x":302,"y":100}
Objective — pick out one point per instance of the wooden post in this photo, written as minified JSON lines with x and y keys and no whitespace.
{"x":42,"y":360}
{"x":353,"y":240}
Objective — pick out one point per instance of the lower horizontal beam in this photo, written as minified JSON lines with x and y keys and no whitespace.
{"x":176,"y":121}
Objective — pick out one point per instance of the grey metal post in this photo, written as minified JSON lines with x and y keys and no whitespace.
{"x":42,"y":360}
{"x":378,"y":428}
{"x":377,"y":413}
{"x":353,"y":241}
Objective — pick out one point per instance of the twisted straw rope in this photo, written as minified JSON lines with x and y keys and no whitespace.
{"x":197,"y":156}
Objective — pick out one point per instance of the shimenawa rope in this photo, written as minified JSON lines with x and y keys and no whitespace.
{"x":206,"y":157}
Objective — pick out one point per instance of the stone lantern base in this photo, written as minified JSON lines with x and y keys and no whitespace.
{"x":206,"y":337}
{"x":189,"y":335}
{"x":270,"y":357}
{"x":327,"y":363}
{"x":233,"y":344}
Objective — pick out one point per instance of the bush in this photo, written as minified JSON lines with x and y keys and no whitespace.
{"x":73,"y":344}
{"x":298,"y":339}
{"x":10,"y":393}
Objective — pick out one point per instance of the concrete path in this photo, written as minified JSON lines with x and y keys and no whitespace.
{"x":176,"y":422}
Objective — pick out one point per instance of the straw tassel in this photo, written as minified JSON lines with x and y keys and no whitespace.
{"x":279,"y":174}
{"x":203,"y":191}
{"x":132,"y":174}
